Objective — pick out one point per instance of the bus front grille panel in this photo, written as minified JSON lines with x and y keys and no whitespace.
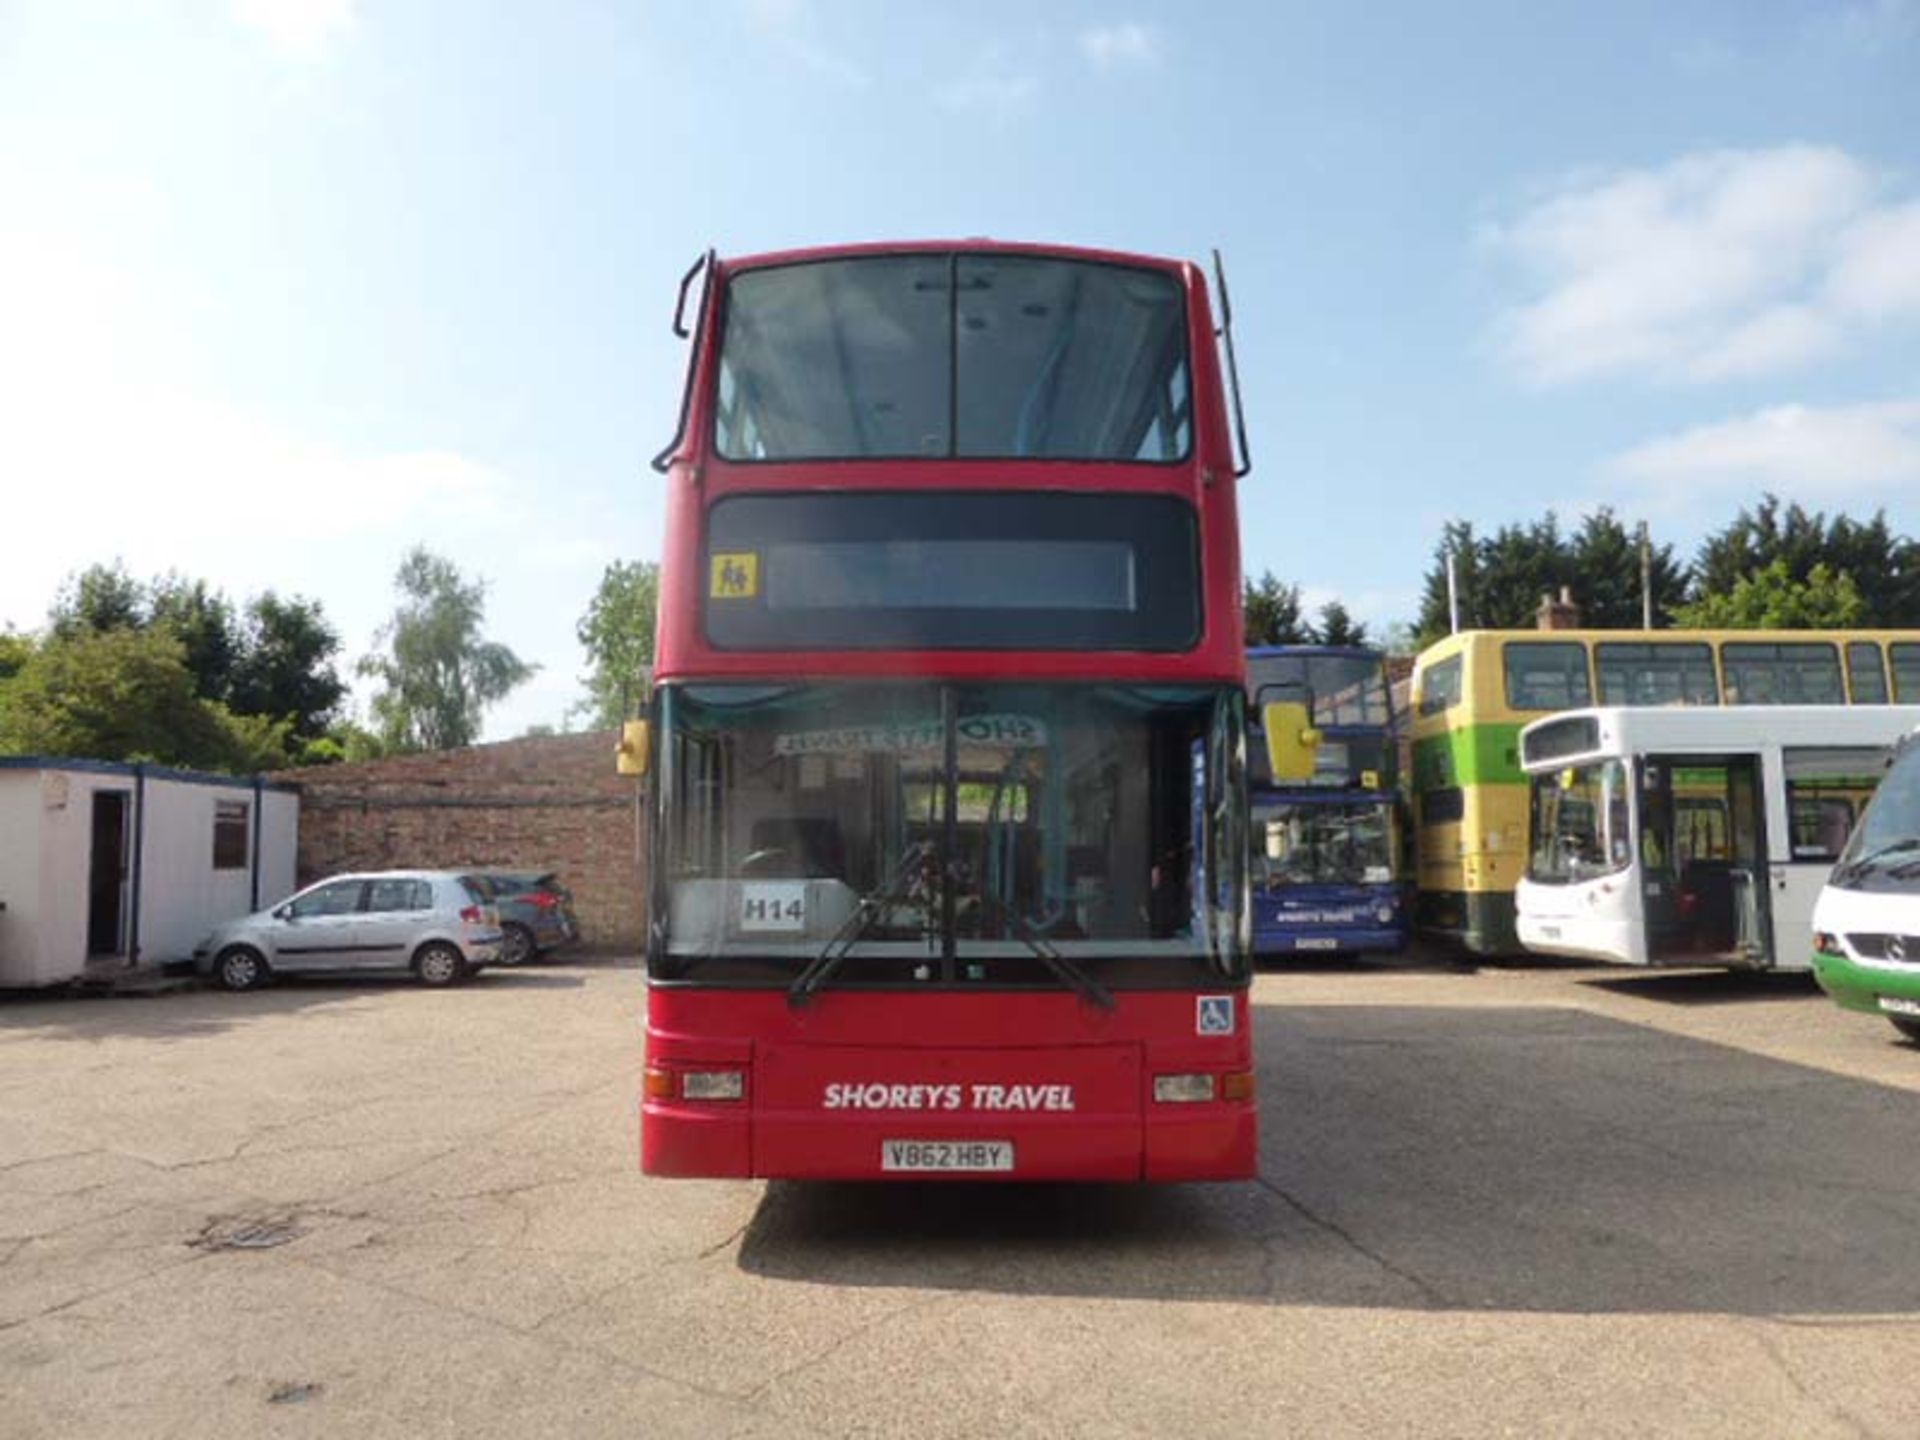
{"x":1895,"y":949}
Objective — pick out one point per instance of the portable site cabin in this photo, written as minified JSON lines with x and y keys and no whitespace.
{"x":105,"y":866}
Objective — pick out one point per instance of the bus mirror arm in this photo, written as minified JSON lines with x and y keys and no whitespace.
{"x":664,"y":459}
{"x":1244,"y":462}
{"x":686,"y":283}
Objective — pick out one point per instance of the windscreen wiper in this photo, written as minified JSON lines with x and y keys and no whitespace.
{"x":872,"y":906}
{"x":1067,"y":972}
{"x":1873,"y":857}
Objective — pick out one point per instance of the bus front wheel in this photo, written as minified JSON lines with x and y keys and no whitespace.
{"x":1907,"y":1027}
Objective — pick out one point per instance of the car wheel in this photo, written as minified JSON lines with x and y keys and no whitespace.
{"x":1908,"y":1028}
{"x":439,"y":964}
{"x":240,"y":968}
{"x":516,"y":945}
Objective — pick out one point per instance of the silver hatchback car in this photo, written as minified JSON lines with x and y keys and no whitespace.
{"x":438,"y":924}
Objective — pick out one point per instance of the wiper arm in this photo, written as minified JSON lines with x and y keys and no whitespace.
{"x":840,"y":944}
{"x":1067,"y":972}
{"x":1873,"y":857}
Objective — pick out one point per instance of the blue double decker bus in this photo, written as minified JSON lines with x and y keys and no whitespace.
{"x":1328,"y":856}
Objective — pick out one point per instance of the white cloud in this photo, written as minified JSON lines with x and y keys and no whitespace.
{"x":1722,"y":264}
{"x":1116,"y":47}
{"x":1795,"y":450}
{"x":304,"y":30}
{"x":1876,"y":273}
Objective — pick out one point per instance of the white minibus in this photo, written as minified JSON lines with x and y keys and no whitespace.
{"x":1866,"y":926}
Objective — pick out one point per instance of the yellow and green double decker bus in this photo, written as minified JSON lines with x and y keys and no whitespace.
{"x":1472,"y":693}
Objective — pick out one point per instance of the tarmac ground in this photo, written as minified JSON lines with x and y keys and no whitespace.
{"x":1532,"y":1199}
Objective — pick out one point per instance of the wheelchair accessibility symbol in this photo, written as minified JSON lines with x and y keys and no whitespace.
{"x":1215,"y":1016}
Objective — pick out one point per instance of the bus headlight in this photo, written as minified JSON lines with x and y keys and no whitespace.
{"x":695,"y":1084}
{"x":1182,"y":1089}
{"x":1825,"y":944}
{"x":1384,"y":915}
{"x":713,"y":1085}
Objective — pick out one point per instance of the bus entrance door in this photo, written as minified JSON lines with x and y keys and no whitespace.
{"x":1703,"y":853}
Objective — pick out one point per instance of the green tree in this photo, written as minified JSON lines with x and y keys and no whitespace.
{"x":617,"y":632}
{"x":1458,"y":540}
{"x":1337,"y":627}
{"x":1772,"y":599}
{"x":438,"y":672}
{"x":201,"y":619}
{"x":284,"y":668}
{"x":97,"y":599}
{"x":1885,"y":567}
{"x":118,"y":694}
{"x":1503,"y":576}
{"x":15,"y":650}
{"x":1273,"y":613}
{"x":1604,"y":562}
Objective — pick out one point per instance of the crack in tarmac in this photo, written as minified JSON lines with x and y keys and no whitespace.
{"x":761,"y":1391}
{"x":1830,"y":1407}
{"x":49,"y":1311}
{"x":1431,"y":1293}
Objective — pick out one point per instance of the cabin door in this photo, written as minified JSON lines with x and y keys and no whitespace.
{"x":107,"y":871}
{"x":1703,"y":853}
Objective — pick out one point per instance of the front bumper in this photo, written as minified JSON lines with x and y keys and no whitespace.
{"x":1355,"y":940}
{"x":1857,"y":986}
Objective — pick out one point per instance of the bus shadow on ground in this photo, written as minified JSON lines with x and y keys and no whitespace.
{"x":1711,"y":987}
{"x":1412,"y":1157}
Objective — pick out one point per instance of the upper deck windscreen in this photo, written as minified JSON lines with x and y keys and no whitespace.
{"x":1346,"y":689}
{"x":967,"y":356}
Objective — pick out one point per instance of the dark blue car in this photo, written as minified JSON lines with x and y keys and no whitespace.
{"x":536,"y":913}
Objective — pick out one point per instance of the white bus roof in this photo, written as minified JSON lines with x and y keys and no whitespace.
{"x":1617,"y":731}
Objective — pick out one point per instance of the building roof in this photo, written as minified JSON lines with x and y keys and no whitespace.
{"x":143,"y":769}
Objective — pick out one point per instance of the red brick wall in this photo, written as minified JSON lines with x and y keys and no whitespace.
{"x":551,"y":802}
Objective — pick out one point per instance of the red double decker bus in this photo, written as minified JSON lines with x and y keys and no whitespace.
{"x":947,"y":736}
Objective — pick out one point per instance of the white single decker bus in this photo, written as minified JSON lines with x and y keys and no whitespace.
{"x":1693,"y":835}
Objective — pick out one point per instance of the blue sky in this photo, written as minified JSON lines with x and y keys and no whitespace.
{"x":286,"y":287}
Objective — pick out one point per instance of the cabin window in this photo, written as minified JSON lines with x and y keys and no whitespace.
{"x":230,"y":821}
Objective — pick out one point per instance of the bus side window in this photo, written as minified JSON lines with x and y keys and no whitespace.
{"x":1906,"y":672}
{"x":1866,"y":673}
{"x":1546,"y":675}
{"x":1440,"y":685}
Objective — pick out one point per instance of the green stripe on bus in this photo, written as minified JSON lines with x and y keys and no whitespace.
{"x":1471,"y":755}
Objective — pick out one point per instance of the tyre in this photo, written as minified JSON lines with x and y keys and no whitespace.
{"x":1907,"y":1027}
{"x":240,"y":967}
{"x":516,"y":945}
{"x":439,"y":964}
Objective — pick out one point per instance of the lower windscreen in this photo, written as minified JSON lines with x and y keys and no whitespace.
{"x":994,"y":570}
{"x":922,"y":834}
